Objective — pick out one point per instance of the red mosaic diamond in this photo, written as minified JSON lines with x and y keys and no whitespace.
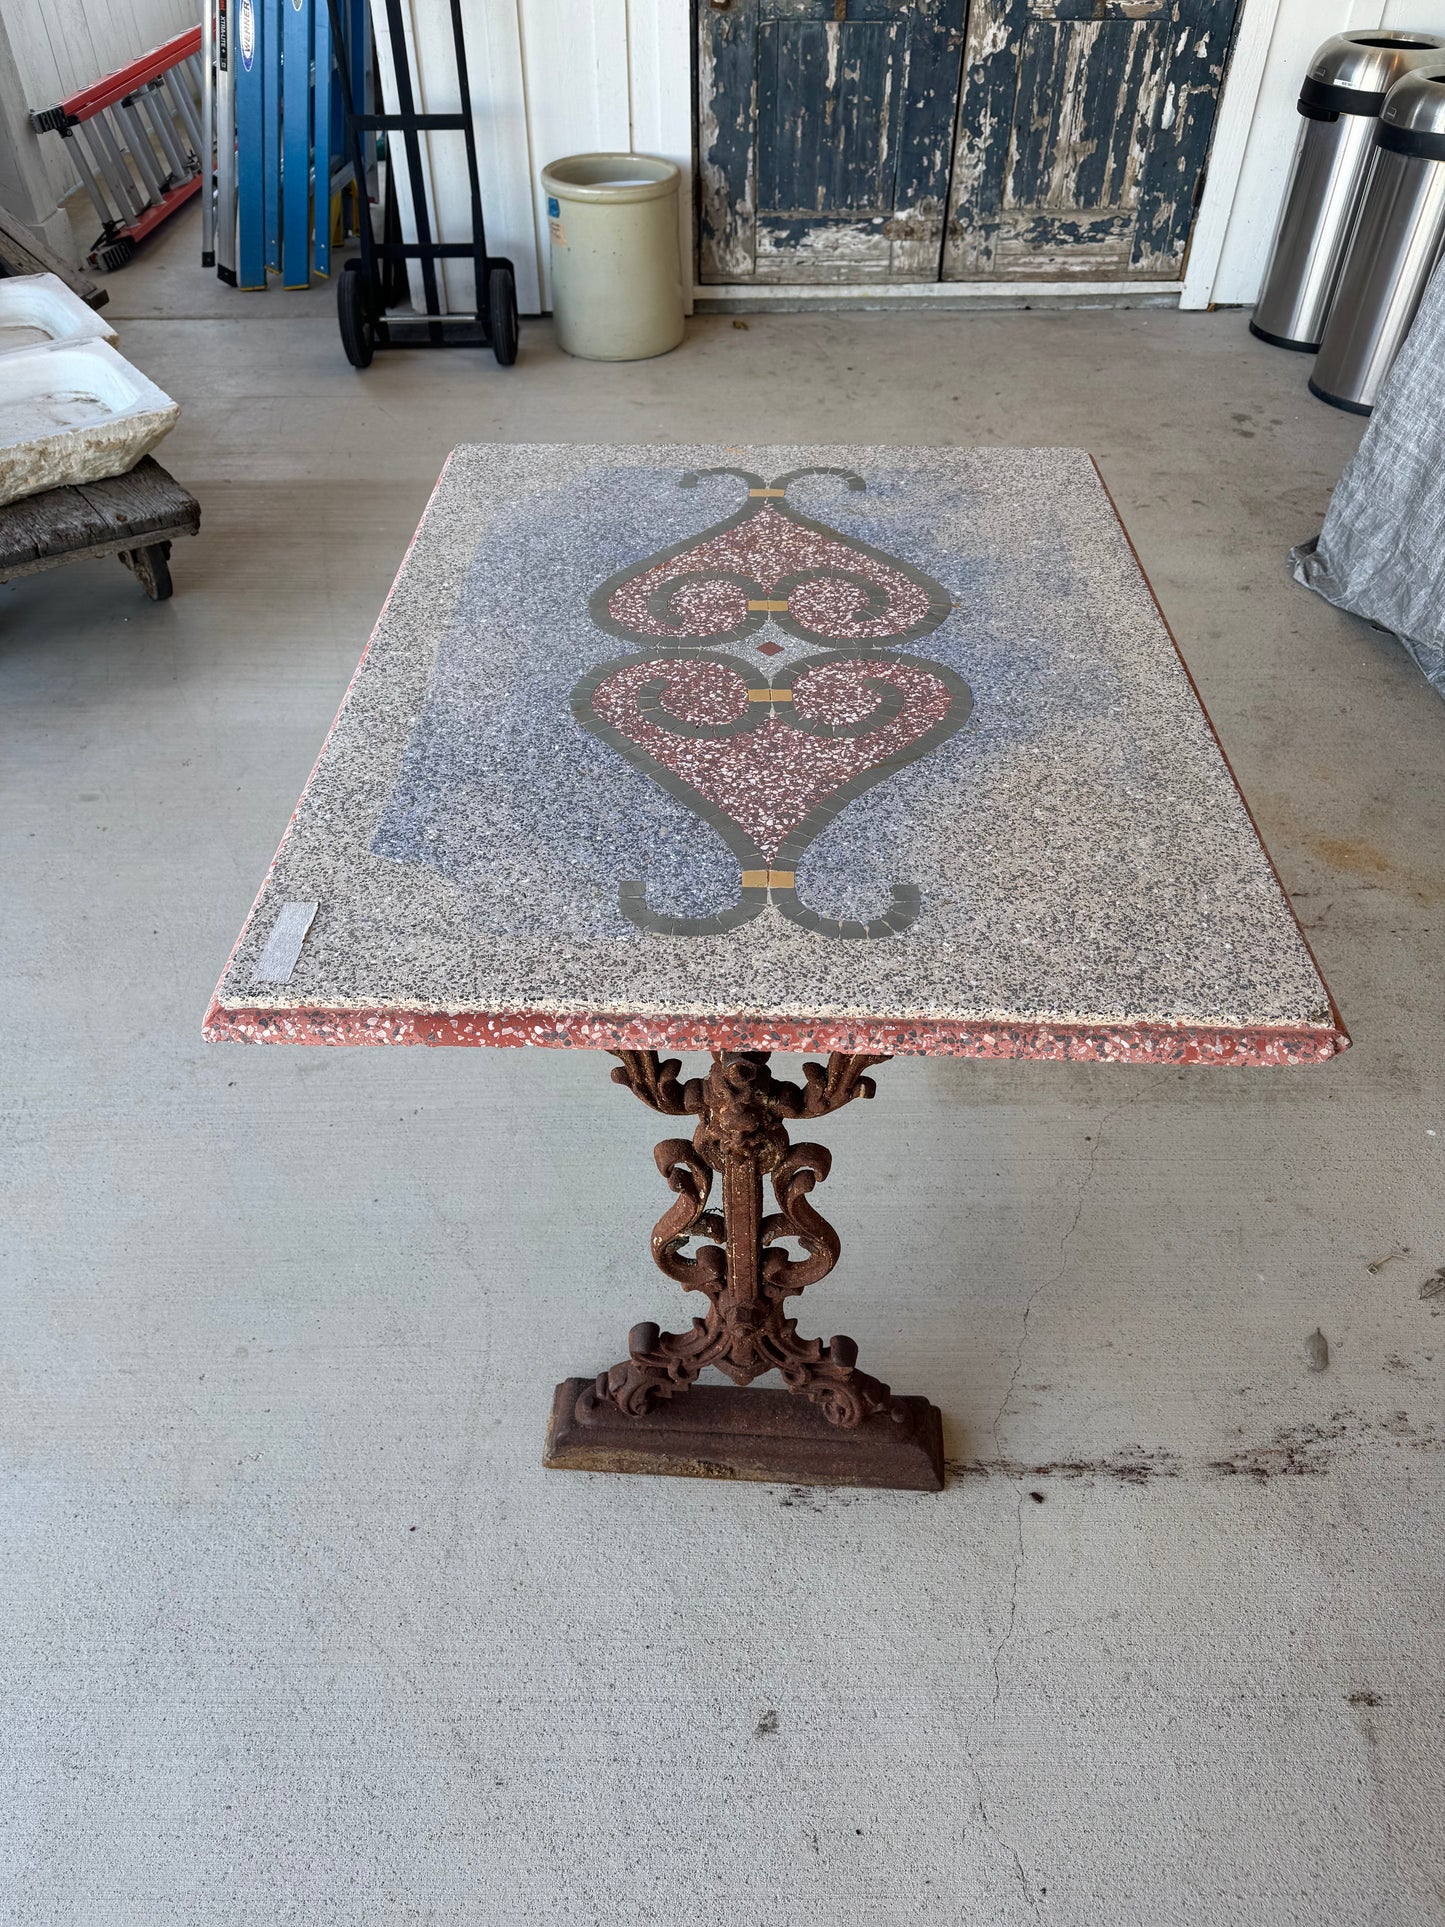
{"x":770,"y":649}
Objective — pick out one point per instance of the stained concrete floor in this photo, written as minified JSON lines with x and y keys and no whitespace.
{"x":297,"y":1630}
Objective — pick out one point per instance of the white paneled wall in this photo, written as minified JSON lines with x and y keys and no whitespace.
{"x":499,"y":109}
{"x":548,"y":78}
{"x":659,"y":86}
{"x":579,"y":97}
{"x":60,"y":45}
{"x":1250,"y":164}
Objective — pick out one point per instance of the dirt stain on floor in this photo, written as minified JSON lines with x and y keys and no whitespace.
{"x":1353,"y":855}
{"x":1350,"y":856}
{"x":1131,"y":1466}
{"x":1291,"y":1452}
{"x":1295,"y":1451}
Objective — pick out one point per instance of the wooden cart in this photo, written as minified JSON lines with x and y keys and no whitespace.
{"x":135,"y":517}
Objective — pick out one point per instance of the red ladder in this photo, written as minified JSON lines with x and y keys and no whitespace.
{"x":135,"y":139}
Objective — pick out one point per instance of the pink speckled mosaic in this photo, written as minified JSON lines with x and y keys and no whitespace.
{"x":767,"y":779}
{"x":769,"y":767}
{"x":705,"y":590}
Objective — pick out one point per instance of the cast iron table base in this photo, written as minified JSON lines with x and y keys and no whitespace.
{"x":834,"y":1425}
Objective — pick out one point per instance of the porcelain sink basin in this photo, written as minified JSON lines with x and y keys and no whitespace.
{"x":75,"y":413}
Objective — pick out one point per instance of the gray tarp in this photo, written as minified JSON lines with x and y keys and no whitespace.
{"x":1381,"y":552}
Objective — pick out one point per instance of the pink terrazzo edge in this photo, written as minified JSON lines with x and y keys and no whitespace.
{"x":606,"y":1031}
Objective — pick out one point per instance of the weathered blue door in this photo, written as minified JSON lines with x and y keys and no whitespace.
{"x":1083,"y":130}
{"x":825,"y":137}
{"x":918,"y":140}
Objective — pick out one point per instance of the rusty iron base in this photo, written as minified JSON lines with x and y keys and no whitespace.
{"x":835,"y":1424}
{"x":726,"y":1432}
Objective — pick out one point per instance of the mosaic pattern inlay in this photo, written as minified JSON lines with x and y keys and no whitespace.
{"x":769,"y":758}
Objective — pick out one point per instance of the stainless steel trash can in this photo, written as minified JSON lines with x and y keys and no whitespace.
{"x":1398,"y":242}
{"x":1339,"y":101}
{"x":616,"y":265}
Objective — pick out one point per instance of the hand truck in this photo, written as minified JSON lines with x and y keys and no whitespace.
{"x":370,"y":282}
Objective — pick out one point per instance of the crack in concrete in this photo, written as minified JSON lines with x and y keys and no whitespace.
{"x":1291,"y":1451}
{"x":1026,"y":1886}
{"x":1044,"y":1285}
{"x":1013,"y":1602}
{"x":1047,"y":1284}
{"x":1128,"y":1464}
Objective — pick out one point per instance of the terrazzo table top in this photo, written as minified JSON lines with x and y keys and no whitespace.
{"x":776,"y":748}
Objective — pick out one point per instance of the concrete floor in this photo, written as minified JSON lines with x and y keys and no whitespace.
{"x":298,"y":1631}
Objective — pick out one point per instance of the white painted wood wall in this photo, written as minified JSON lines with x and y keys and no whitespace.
{"x":60,"y":45}
{"x":549,"y":78}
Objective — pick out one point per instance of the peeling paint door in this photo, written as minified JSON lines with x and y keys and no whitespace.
{"x":1083,"y":130}
{"x":825,"y":130}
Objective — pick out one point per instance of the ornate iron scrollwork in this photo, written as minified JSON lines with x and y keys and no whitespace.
{"x":739,"y":1263}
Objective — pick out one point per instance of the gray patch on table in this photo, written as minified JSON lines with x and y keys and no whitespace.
{"x":1080,"y":848}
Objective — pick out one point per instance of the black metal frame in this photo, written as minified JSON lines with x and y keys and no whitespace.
{"x":441,"y":329}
